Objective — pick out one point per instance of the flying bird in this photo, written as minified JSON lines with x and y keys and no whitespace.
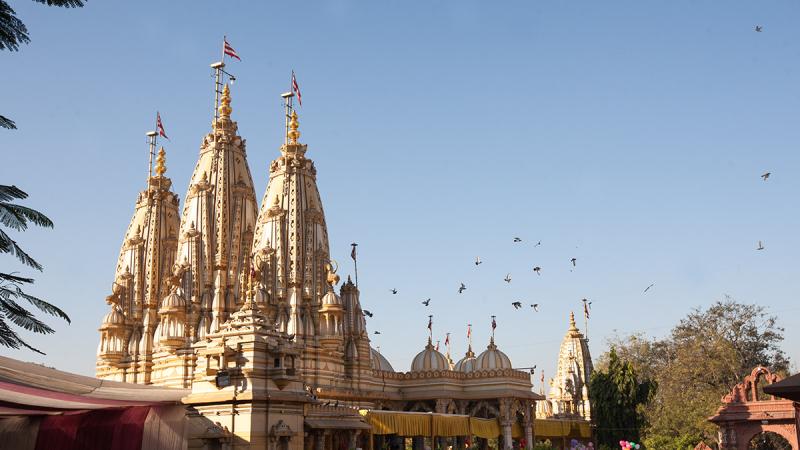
{"x":426,"y":302}
{"x":538,"y":244}
{"x":507,"y":279}
{"x":759,"y":28}
{"x":573,"y":260}
{"x":766,"y":175}
{"x":760,"y":246}
{"x":537,"y":269}
{"x":516,"y":239}
{"x":648,"y":288}
{"x":478,"y":260}
{"x":516,"y":305}
{"x":393,"y":291}
{"x":535,"y":307}
{"x":367,"y":313}
{"x":462,"y":288}
{"x":376,"y":332}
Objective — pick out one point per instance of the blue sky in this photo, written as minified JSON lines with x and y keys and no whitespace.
{"x":629,"y":135}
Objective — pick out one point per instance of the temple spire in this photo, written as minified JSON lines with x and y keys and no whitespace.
{"x":161,"y":162}
{"x":225,"y":109}
{"x":294,"y":134}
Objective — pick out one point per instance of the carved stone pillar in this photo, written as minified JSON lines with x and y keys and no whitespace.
{"x":508,"y":441}
{"x":319,"y":440}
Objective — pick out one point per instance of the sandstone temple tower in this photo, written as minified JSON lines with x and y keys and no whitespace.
{"x":243,"y":309}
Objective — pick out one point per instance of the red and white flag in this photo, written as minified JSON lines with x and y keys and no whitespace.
{"x":228,"y":50}
{"x":494,"y":323}
{"x":469,"y":331}
{"x":296,"y":89}
{"x":437,"y":346}
{"x":353,"y":251}
{"x":585,"y":310}
{"x":430,"y":323}
{"x":447,"y":340}
{"x":160,"y":126}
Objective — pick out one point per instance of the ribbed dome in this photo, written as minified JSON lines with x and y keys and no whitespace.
{"x":429,"y":359}
{"x":492,"y":358}
{"x":331,"y":299}
{"x":378,"y":361}
{"x":114,"y":317}
{"x":467,"y":363}
{"x":173,"y":301}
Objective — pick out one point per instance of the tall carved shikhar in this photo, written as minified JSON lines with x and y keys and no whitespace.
{"x":128,"y":334}
{"x":292,"y":263}
{"x":217,"y":225}
{"x":569,"y":389}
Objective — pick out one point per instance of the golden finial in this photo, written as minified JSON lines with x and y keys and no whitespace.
{"x":161,"y":162}
{"x":225,"y":103}
{"x":572,"y":325}
{"x":293,"y":126}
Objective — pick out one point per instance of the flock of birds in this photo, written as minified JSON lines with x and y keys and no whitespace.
{"x":538,"y":270}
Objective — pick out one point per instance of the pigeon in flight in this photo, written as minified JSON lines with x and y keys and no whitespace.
{"x":393,"y":291}
{"x":367,"y":313}
{"x":462,"y":288}
{"x":535,"y":307}
{"x":376,"y":332}
{"x":507,"y":279}
{"x":648,"y":288}
{"x":516,"y":305}
{"x":516,"y":239}
{"x":573,"y":260}
{"x":760,"y":246}
{"x":426,"y":302}
{"x":766,"y":175}
{"x":537,"y":269}
{"x":759,"y":28}
{"x":538,"y":244}
{"x":478,"y":260}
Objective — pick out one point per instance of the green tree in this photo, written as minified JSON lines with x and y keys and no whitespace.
{"x":702,"y":358}
{"x":13,"y":32}
{"x":17,"y":217}
{"x":618,"y":395}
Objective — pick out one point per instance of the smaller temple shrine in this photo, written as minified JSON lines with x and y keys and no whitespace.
{"x":568,"y":397}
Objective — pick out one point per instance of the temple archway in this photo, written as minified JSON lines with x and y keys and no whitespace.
{"x":768,"y":440}
{"x":749,"y":419}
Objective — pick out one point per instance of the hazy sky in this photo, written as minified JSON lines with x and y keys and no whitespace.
{"x":630,"y":135}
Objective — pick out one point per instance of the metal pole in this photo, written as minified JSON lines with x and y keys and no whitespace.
{"x":152,"y":136}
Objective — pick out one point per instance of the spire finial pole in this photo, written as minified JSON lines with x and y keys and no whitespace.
{"x":152,"y":139}
{"x":287,"y":103}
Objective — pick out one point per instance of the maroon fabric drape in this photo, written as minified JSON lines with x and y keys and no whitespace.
{"x":105,"y":429}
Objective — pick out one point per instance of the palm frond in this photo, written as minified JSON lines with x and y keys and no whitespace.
{"x":12,"y":31}
{"x":8,"y":245}
{"x":11,"y":339}
{"x":44,"y":306}
{"x":11,"y":192}
{"x":5,"y":122}
{"x":16,"y":279}
{"x":62,"y":3}
{"x":22,"y":317}
{"x":21,"y":215}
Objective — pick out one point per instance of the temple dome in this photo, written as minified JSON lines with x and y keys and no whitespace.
{"x":114,"y":317}
{"x":429,"y":359}
{"x":378,"y":361}
{"x":173,"y":301}
{"x":467,"y":363}
{"x":330,"y":299}
{"x":492,"y":358}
